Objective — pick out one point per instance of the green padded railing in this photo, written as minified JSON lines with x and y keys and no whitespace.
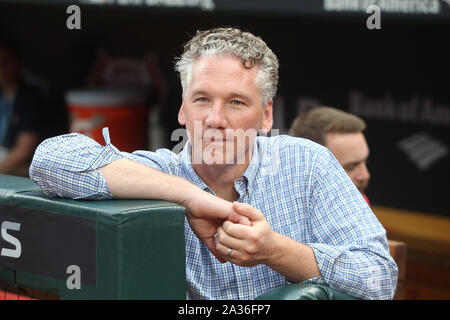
{"x":116,"y":249}
{"x":305,"y":291}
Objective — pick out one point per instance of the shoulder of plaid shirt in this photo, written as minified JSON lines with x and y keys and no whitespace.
{"x":297,"y":184}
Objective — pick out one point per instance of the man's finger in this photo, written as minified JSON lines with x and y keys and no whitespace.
{"x":236,"y":230}
{"x":247,"y":210}
{"x":211,"y":245}
{"x":234,"y":234}
{"x":238,"y":218}
{"x":219,"y":208}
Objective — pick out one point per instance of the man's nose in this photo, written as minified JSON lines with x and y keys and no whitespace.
{"x":216,"y":116}
{"x":363,"y":173}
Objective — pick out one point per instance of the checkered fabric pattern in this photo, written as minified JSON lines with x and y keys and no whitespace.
{"x":297,"y":184}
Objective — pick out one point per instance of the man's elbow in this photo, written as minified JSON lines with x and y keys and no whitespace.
{"x":381,"y":282}
{"x":41,"y":172}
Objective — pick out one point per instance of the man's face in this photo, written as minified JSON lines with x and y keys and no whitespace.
{"x":8,"y":66}
{"x":222,"y":105}
{"x":351,"y":150}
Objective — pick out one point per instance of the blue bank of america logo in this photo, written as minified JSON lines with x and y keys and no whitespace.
{"x":423,"y":150}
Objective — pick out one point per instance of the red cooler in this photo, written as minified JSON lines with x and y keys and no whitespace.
{"x":123,"y":111}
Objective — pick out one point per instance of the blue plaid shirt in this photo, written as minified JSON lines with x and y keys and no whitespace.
{"x":297,"y":184}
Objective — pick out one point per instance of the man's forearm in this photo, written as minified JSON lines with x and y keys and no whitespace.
{"x":128,"y":179}
{"x":20,"y":153}
{"x":294,"y":260}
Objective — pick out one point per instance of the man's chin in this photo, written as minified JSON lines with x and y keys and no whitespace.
{"x":219,"y":160}
{"x":362,"y":189}
{"x":222,"y":156}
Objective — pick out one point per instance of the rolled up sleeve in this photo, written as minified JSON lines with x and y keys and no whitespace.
{"x":67,"y":166}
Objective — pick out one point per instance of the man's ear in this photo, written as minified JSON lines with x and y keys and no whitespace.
{"x":181,"y":118}
{"x":267,"y":122}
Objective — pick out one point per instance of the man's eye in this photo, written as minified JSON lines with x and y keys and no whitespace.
{"x":237,"y":102}
{"x":202,"y":100}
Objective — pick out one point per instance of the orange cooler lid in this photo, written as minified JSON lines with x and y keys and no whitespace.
{"x":105,"y":97}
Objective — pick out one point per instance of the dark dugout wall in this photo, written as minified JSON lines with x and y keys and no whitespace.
{"x":397,"y":78}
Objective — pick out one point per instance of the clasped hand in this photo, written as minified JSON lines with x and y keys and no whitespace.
{"x":250,"y":244}
{"x":221,"y":225}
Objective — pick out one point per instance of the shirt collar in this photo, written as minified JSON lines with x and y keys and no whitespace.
{"x":249,"y":174}
{"x":189,"y":169}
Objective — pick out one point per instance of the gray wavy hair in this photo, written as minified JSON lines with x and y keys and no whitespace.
{"x":252,"y":50}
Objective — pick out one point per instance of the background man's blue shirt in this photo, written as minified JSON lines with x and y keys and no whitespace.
{"x":20,"y":114}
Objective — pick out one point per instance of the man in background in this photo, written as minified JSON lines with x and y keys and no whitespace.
{"x":342,"y":133}
{"x":20,"y":106}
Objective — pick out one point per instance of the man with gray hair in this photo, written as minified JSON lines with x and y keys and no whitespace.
{"x":265,"y":223}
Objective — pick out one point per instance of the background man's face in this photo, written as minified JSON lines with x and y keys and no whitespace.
{"x":351,"y":150}
{"x":221,"y":98}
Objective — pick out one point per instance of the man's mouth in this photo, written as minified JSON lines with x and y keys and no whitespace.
{"x":214,"y":139}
